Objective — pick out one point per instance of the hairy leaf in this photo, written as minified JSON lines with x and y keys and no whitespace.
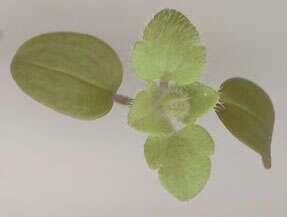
{"x":247,"y":112}
{"x":182,"y":159}
{"x":72,"y":73}
{"x":169,"y":48}
{"x":200,"y":98}
{"x":146,"y":114}
{"x":179,"y":109}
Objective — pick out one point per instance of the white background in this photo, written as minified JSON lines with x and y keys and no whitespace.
{"x":55,"y":166}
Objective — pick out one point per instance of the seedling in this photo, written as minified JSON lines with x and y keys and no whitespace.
{"x":78,"y":75}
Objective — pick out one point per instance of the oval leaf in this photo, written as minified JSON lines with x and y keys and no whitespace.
{"x":182,"y":159}
{"x":247,"y":112}
{"x":74,"y":74}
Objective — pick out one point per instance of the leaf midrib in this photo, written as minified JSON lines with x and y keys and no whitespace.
{"x":62,"y":72}
{"x":244,"y":108}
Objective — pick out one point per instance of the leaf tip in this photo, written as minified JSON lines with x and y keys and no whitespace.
{"x":266,"y":163}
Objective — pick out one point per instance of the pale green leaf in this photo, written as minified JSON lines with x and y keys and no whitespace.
{"x":174,"y":96}
{"x":170,"y":24}
{"x":182,"y":159}
{"x":169,"y":48}
{"x":146,"y":115}
{"x":247,"y":112}
{"x":72,"y":73}
{"x":201,"y":98}
{"x":198,"y":96}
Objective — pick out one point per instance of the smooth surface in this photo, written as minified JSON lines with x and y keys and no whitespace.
{"x":74,"y":74}
{"x":55,"y":166}
{"x":247,"y":112}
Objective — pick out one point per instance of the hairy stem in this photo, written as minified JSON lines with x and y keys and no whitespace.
{"x":127,"y":101}
{"x":123,"y":100}
{"x":163,"y":84}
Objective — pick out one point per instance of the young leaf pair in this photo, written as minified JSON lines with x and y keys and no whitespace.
{"x":182,"y":157}
{"x":78,"y":75}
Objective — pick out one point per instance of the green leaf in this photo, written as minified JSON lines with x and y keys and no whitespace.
{"x":182,"y":159}
{"x":247,"y":112}
{"x":201,"y":99}
{"x":173,"y":96}
{"x":169,"y":49}
{"x":146,"y":115}
{"x":72,"y":73}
